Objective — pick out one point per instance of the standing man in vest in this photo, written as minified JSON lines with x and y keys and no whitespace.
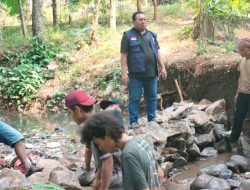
{"x":140,"y":54}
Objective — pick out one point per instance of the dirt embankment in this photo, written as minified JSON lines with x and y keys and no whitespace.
{"x":200,"y":78}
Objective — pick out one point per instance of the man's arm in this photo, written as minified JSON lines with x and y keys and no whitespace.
{"x":88,"y":155}
{"x":106,"y":172}
{"x":163,"y":73}
{"x":124,"y":57}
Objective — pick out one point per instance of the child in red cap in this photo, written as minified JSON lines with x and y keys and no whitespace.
{"x":81,"y":108}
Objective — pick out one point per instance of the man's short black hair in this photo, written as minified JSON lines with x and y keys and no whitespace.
{"x":86,"y":109}
{"x":135,"y":14}
{"x":101,"y":125}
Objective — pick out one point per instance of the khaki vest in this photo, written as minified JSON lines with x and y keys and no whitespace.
{"x":244,"y":80}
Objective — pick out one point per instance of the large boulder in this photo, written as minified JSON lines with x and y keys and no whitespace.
{"x":13,"y":180}
{"x":218,"y":111}
{"x":205,"y":181}
{"x":213,"y":170}
{"x":43,"y":177}
{"x":65,"y":178}
{"x":198,"y":118}
{"x":241,"y":162}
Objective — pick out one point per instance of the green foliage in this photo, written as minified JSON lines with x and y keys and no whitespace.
{"x":186,"y":31}
{"x":13,"y":5}
{"x":228,"y":46}
{"x":56,"y":101}
{"x":20,"y":83}
{"x":229,"y":13}
{"x":111,"y":78}
{"x":202,"y":47}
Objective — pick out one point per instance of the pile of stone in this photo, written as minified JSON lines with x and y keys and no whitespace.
{"x":187,"y":131}
{"x":234,"y":174}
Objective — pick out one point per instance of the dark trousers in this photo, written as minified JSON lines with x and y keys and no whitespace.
{"x":242,"y":107}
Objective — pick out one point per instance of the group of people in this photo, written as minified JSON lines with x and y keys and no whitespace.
{"x":123,"y":161}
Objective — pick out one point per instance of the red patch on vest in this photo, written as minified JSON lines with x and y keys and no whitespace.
{"x":133,"y":38}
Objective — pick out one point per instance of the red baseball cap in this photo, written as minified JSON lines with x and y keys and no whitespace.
{"x":78,"y":97}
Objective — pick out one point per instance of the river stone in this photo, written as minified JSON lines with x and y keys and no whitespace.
{"x":234,"y":183}
{"x":43,"y":177}
{"x":219,"y":184}
{"x":222,"y":146}
{"x":181,"y":126}
{"x":241,"y":162}
{"x":181,"y":111}
{"x":205,"y":129}
{"x":157,"y":136}
{"x":13,"y":180}
{"x":245,"y":185}
{"x":213,"y":170}
{"x":181,"y":161}
{"x":226,"y":174}
{"x":209,"y":152}
{"x":218,"y":111}
{"x":178,"y":143}
{"x":232,"y":166}
{"x":219,"y":130}
{"x":190,"y":141}
{"x":244,"y":146}
{"x":194,"y":151}
{"x":65,"y":178}
{"x":201,"y":182}
{"x":203,"y":140}
{"x":198,"y":118}
{"x":53,"y":145}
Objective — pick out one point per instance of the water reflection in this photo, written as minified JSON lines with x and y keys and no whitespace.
{"x":48,"y":122}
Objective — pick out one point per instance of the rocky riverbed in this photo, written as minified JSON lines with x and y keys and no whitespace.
{"x":187,"y":132}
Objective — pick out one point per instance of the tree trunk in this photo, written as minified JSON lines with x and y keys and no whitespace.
{"x":37,"y":19}
{"x":155,"y":9}
{"x":54,"y":10}
{"x":206,"y":25}
{"x":23,"y":25}
{"x":70,"y":19}
{"x":113,"y":15}
{"x":95,"y":24}
{"x":138,"y":5}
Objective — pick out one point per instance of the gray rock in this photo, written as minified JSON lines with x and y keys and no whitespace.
{"x":241,"y":162}
{"x":13,"y":180}
{"x":201,"y":182}
{"x":181,"y":126}
{"x":181,"y":161}
{"x":194,"y":151}
{"x":218,"y":111}
{"x":218,"y":184}
{"x":222,"y":146}
{"x":245,"y":185}
{"x":181,"y":110}
{"x":219,"y":130}
{"x":65,"y":178}
{"x":190,"y":141}
{"x":209,"y":152}
{"x":244,"y":146}
{"x":178,"y":143}
{"x":234,"y":183}
{"x":203,"y":140}
{"x":226,"y":174}
{"x":213,"y":170}
{"x":198,"y":118}
{"x":205,"y":129}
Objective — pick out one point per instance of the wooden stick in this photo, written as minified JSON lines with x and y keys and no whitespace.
{"x":179,"y":90}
